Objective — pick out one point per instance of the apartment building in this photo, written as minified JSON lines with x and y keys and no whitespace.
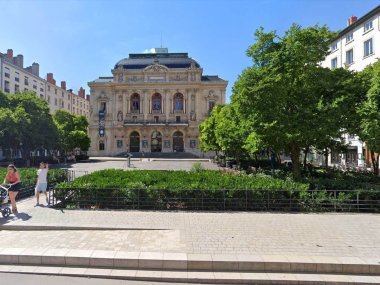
{"x":15,"y":78}
{"x":355,"y":47}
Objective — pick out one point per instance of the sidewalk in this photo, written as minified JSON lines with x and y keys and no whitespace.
{"x":337,"y":235}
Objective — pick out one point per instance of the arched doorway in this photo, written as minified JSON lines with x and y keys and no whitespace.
{"x":134,"y":142}
{"x":156,"y":143}
{"x":178,"y":142}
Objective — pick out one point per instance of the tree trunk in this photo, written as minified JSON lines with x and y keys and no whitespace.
{"x":375,"y":162}
{"x":305,"y":158}
{"x":295,"y":156}
{"x":326,"y":158}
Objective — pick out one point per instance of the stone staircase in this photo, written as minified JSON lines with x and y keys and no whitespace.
{"x":192,"y":268}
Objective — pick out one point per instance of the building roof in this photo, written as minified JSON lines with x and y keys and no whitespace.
{"x":104,"y":79}
{"x":211,"y":78}
{"x":170,"y":60}
{"x":359,"y":22}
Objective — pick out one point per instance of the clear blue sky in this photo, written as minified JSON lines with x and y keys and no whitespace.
{"x":81,"y":40}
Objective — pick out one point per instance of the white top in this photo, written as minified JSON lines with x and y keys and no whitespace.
{"x":42,"y":175}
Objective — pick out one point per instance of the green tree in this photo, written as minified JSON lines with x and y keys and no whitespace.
{"x":72,"y":131}
{"x":231,"y":131}
{"x":370,"y":113}
{"x":207,"y":129}
{"x":26,"y":122}
{"x":285,"y":93}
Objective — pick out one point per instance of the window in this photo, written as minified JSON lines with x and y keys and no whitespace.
{"x":42,"y":96}
{"x":101,"y":145}
{"x":55,"y":91}
{"x":26,"y":89}
{"x":6,"y":86}
{"x":334,"y":62}
{"x":156,"y":119}
{"x":63,"y":94}
{"x":49,"y":88}
{"x":26,"y":81}
{"x":349,"y":38}
{"x":68,"y":106}
{"x":17,"y":88}
{"x":102,"y":106}
{"x":350,"y":57}
{"x":119,"y":143}
{"x":55,"y":102}
{"x":334,"y":46}
{"x":134,"y":118}
{"x":156,"y":104}
{"x":368,"y":26}
{"x":177,"y":119}
{"x":34,"y":84}
{"x":178,"y":102}
{"x":135,"y":103}
{"x":41,"y":89}
{"x":368,"y":47}
{"x":7,"y":72}
{"x":63,"y":104}
{"x":17,"y":77}
{"x":211,"y":105}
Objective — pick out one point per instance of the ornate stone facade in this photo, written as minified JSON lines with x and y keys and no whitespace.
{"x":153,"y":103}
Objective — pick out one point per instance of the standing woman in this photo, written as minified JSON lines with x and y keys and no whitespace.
{"x":13,"y":179}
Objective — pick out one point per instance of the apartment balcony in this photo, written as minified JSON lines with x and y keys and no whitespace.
{"x":156,"y":122}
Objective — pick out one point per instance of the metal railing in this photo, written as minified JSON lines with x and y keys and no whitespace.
{"x":219,"y":200}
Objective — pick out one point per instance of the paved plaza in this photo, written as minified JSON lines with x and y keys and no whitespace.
{"x":276,"y":246}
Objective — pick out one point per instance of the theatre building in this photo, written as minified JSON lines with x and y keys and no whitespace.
{"x":153,"y":102}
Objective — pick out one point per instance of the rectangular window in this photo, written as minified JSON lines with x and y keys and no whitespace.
{"x":26,"y":81}
{"x":17,"y":77}
{"x":101,"y":143}
{"x":63,"y":94}
{"x":34,"y":84}
{"x":63,"y":105}
{"x":55,"y":102}
{"x":17,"y":88}
{"x":211,"y":105}
{"x":334,"y":46}
{"x":350,"y":57}
{"x":156,"y":119}
{"x":368,"y":47}
{"x":334,"y":62}
{"x":68,"y":106}
{"x":119,"y":143}
{"x":349,"y":37}
{"x":6,"y":86}
{"x":41,"y":89}
{"x":42,"y":96}
{"x":177,"y":119}
{"x":368,"y":26}
{"x":7,"y":72}
{"x":55,"y":91}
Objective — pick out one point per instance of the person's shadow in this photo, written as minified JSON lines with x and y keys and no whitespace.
{"x":23,"y":216}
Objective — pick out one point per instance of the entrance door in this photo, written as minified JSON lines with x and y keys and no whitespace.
{"x":134,"y":142}
{"x":178,"y":142}
{"x":156,"y":142}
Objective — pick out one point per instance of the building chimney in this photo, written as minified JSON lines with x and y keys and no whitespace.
{"x":36,"y":69}
{"x":81,"y":92}
{"x":351,"y":20}
{"x":63,"y":85}
{"x":50,"y":78}
{"x":10,"y":53}
{"x":20,"y":60}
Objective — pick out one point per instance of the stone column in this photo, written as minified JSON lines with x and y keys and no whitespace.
{"x":167,"y":104}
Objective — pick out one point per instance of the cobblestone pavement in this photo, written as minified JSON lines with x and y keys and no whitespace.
{"x":340,"y":235}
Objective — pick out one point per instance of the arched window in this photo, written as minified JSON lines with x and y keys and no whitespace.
{"x":101,"y":145}
{"x":135,"y":103}
{"x":178,"y":102}
{"x":156,"y":103}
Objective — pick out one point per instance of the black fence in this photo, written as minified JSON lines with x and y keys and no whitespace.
{"x":218,"y":200}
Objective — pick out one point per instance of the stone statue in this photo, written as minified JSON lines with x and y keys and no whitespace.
{"x":120,"y":116}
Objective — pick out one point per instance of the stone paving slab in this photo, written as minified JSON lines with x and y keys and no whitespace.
{"x":252,"y":233}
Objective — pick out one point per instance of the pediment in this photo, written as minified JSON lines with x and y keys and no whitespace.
{"x":156,"y":68}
